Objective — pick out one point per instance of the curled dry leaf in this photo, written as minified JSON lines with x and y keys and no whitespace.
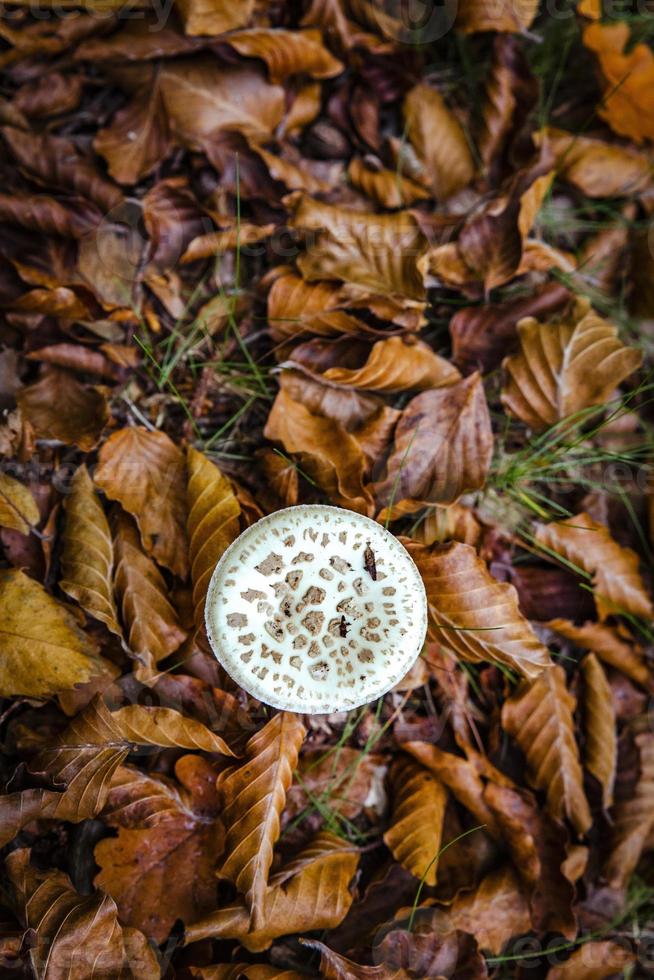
{"x":244,"y":971}
{"x":386,"y":187}
{"x":286,"y":53}
{"x":212,"y":523}
{"x":414,"y":834}
{"x":539,"y":716}
{"x":633,"y":819}
{"x":297,"y":308}
{"x":439,"y":141}
{"x":44,"y":649}
{"x":597,"y":168}
{"x":494,"y":912}
{"x":152,"y":624}
{"x":509,"y":16}
{"x":453,"y":523}
{"x":442,"y":446}
{"x":612,"y":569}
{"x":565,"y":367}
{"x":87,"y":559}
{"x":145,"y":472}
{"x":395,"y":365}
{"x":75,"y":936}
{"x":601,"y":751}
{"x":18,"y":508}
{"x":40,"y":212}
{"x":59,"y":407}
{"x":211,"y":18}
{"x":473,"y":614}
{"x":254,"y":796}
{"x":161,"y":866}
{"x":593,"y":961}
{"x":628,"y":103}
{"x":608,"y":645}
{"x":315,"y":895}
{"x":345,"y":406}
{"x":377,"y":252}
{"x":327,"y":453}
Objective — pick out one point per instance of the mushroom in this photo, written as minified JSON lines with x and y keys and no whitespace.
{"x":316,"y":609}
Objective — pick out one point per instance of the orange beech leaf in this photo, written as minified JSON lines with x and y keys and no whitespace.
{"x":59,"y":407}
{"x":217,"y":242}
{"x":438,"y":140}
{"x":212,"y":523}
{"x":443,"y":445}
{"x":608,"y":645}
{"x":376,"y":252}
{"x":453,"y":523}
{"x":565,"y":367}
{"x":313,"y":895}
{"x":539,"y":716}
{"x":597,"y":960}
{"x":77,"y":358}
{"x":414,"y":834}
{"x":597,"y":168}
{"x":76,"y":937}
{"x":212,"y":18}
{"x":138,"y":136}
{"x":286,"y":53}
{"x":145,"y":472}
{"x":329,"y":454}
{"x":244,"y":971}
{"x":494,"y":912}
{"x":346,"y":406}
{"x":297,"y":308}
{"x":44,"y":649}
{"x":334,"y":966}
{"x":152,"y":624}
{"x":254,"y":796}
{"x":511,"y":91}
{"x":601,"y":750}
{"x":473,"y":614}
{"x":628,"y":103}
{"x":394,"y":365}
{"x":612,"y":569}
{"x":161,"y":866}
{"x":87,"y":560}
{"x":386,"y":187}
{"x":510,"y":16}
{"x":632,"y":819}
{"x":537,"y":849}
{"x":18,"y":508}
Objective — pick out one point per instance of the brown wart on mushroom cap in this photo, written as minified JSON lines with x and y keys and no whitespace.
{"x":316,"y":609}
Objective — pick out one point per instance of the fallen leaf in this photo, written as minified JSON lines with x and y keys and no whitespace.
{"x":75,"y":936}
{"x":608,"y":645}
{"x":49,"y":95}
{"x":596,"y":168}
{"x":510,"y":16}
{"x":628,"y":101}
{"x":494,"y":912}
{"x":42,"y":213}
{"x":595,"y":960}
{"x":213,"y":18}
{"x":59,"y":407}
{"x":632,"y":819}
{"x":343,"y":780}
{"x":439,"y":141}
{"x":564,"y":367}
{"x":152,"y":624}
{"x":442,"y":447}
{"x":611,"y":569}
{"x":145,"y":472}
{"x":394,"y":365}
{"x":539,"y":716}
{"x":601,"y":751}
{"x":254,"y":796}
{"x":386,"y":187}
{"x":473,"y":614}
{"x":414,"y":834}
{"x":18,"y":508}
{"x":296,"y":308}
{"x":87,"y":560}
{"x":286,"y":53}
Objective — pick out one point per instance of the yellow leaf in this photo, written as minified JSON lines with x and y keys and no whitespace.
{"x":18,"y":508}
{"x":414,"y":834}
{"x":439,"y":141}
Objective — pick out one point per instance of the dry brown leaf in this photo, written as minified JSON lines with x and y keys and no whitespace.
{"x":329,"y":454}
{"x":87,"y":559}
{"x":453,"y":523}
{"x":395,"y":365}
{"x":286,"y":53}
{"x":377,"y":252}
{"x":597,"y":168}
{"x":212,"y":523}
{"x":564,"y":367}
{"x":345,"y":778}
{"x":346,"y":406}
{"x":473,"y":614}
{"x":628,"y":103}
{"x":75,"y":937}
{"x":596,"y":960}
{"x":138,"y":137}
{"x":442,"y":447}
{"x":152,"y":624}
{"x":386,"y":187}
{"x":217,"y":242}
{"x":297,"y":308}
{"x":612,"y":569}
{"x":539,"y":716}
{"x":254,"y":797}
{"x":244,"y":971}
{"x":214,"y":17}
{"x":145,"y":472}
{"x":59,"y":407}
{"x":439,"y":141}
{"x":18,"y":508}
{"x":315,"y":895}
{"x":44,"y":649}
{"x":633,"y":819}
{"x":414,"y":834}
{"x":601,"y":750}
{"x":510,"y":16}
{"x":608,"y":645}
{"x":161,"y":866}
{"x":495,"y":912}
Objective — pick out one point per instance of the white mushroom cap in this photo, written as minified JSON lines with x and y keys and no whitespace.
{"x":316,"y":609}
